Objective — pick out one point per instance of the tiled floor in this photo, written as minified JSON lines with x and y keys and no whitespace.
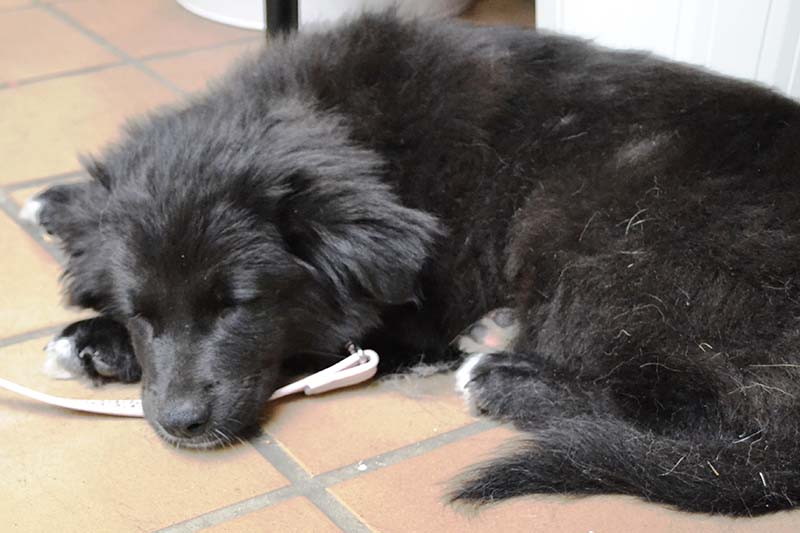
{"x":378,"y":457}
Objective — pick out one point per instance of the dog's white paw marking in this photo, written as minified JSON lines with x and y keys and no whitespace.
{"x":464,"y":376}
{"x":30,"y":211}
{"x":61,"y":360}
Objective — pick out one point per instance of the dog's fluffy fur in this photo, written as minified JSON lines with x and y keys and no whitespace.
{"x":390,"y":182}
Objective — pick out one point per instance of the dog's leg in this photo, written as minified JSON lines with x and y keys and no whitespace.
{"x":525,"y":389}
{"x":98,"y":348}
{"x":51,"y":209}
{"x":491,"y":334}
{"x":521,"y":388}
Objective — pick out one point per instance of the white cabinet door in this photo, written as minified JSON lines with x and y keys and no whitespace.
{"x":751,"y":39}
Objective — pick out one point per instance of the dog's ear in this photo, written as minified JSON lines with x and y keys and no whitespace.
{"x":334,"y":211}
{"x":357,"y":235}
{"x":97,"y":171}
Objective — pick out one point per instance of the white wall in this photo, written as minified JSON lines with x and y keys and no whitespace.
{"x":752,"y":39}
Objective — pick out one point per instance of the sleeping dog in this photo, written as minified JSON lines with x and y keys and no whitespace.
{"x":636,"y":223}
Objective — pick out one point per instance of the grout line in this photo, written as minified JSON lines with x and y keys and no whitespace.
{"x":54,"y":11}
{"x":315,"y":491}
{"x":233,"y":511}
{"x":123,"y":62}
{"x":305,"y":485}
{"x":276,"y":455}
{"x":33,"y":334}
{"x":52,"y":179}
{"x":8,"y":207}
{"x":58,"y":75}
{"x":182,"y":53}
{"x":399,"y":455}
{"x":336,"y":512}
{"x":64,"y":17}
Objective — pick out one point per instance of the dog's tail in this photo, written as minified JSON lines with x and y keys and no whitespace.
{"x":734,"y":474}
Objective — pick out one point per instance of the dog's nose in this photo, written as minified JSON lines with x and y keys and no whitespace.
{"x":185,"y":418}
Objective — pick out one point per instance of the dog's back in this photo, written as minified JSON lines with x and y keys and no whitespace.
{"x":641,"y":217}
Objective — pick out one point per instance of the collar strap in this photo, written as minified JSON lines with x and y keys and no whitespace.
{"x":359,"y":366}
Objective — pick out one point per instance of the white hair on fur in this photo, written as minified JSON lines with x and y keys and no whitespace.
{"x":422,"y":380}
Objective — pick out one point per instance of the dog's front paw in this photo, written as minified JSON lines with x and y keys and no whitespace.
{"x":43,"y":210}
{"x":55,"y":209}
{"x":32,"y":210}
{"x":61,"y":360}
{"x":98,"y":348}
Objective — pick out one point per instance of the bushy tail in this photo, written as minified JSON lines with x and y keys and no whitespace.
{"x":734,"y":475}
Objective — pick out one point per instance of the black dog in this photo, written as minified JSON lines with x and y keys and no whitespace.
{"x":389,"y":183}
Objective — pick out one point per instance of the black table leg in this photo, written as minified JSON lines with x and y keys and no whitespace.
{"x":281,"y":16}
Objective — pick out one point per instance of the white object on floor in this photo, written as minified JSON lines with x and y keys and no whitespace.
{"x":250,"y":13}
{"x":355,"y":368}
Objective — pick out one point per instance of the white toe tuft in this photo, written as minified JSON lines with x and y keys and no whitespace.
{"x":62,"y":359}
{"x":30,"y":211}
{"x":464,"y":372}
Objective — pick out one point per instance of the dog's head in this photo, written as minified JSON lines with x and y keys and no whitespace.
{"x":228,"y":242}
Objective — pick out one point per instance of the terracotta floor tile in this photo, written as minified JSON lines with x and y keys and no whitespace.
{"x":13,"y":4}
{"x":31,"y":295}
{"x":84,"y":470}
{"x":354,"y":424}
{"x":494,"y":12}
{"x":192,"y":71}
{"x":34,"y":43}
{"x":21,"y":196}
{"x":297,"y":515}
{"x":409,"y":496}
{"x":147,"y":27}
{"x":44,"y":125}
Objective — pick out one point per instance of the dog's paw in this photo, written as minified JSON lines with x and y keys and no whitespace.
{"x":31,"y":211}
{"x":54,"y":209}
{"x":98,"y":349}
{"x":491,"y":334}
{"x":61,"y":360}
{"x":465,"y":379}
{"x":39,"y":211}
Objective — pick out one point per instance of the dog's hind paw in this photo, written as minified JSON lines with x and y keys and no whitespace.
{"x":491,"y":334}
{"x":98,"y":348}
{"x":464,"y":378}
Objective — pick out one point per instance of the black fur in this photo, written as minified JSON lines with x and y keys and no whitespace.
{"x":104,"y":350}
{"x":390,"y":182}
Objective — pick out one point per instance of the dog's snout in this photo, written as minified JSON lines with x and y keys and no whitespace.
{"x":185,"y":417}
